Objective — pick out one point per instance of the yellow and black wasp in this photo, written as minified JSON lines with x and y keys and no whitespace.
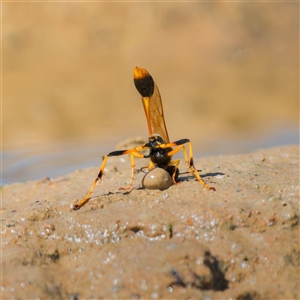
{"x":160,"y":148}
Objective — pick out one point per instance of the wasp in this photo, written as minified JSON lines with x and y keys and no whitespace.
{"x":161,"y":150}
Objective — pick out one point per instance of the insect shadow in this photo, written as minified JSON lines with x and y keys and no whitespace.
{"x":189,"y":177}
{"x":215,"y":281}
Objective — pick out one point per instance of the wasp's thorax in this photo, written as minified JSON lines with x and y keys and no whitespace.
{"x":158,"y":155}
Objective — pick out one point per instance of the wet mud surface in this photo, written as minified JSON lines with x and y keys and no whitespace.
{"x":241,"y":241}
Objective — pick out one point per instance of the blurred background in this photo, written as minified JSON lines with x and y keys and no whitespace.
{"x":228,"y":74}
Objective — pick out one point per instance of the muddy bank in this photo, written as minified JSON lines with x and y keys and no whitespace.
{"x":241,"y":241}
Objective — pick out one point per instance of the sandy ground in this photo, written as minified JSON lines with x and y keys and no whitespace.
{"x":241,"y":241}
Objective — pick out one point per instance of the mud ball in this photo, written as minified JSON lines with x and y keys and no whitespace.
{"x":157,"y":179}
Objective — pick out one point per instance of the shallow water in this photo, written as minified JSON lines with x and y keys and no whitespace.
{"x":62,"y":158}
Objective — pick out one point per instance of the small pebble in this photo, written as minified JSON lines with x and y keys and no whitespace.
{"x":157,"y":179}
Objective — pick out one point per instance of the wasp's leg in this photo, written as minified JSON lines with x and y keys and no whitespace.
{"x":190,"y":161}
{"x":134,"y":152}
{"x":179,"y":147}
{"x":174,"y":151}
{"x":194,"y":170}
{"x":150,"y":167}
{"x":86,"y":198}
{"x":175,"y":163}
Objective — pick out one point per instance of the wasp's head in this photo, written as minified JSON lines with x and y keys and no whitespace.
{"x":156,"y":140}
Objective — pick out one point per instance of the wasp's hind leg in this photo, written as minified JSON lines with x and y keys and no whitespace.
{"x":133,"y":152}
{"x":172,"y":169}
{"x":194,"y":170}
{"x":189,"y":161}
{"x":132,"y":155}
{"x":87,"y":197}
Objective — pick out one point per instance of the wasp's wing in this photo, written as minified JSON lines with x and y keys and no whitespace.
{"x":157,"y":115}
{"x":152,"y":103}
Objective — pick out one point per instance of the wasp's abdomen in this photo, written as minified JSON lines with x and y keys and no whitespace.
{"x":145,"y":86}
